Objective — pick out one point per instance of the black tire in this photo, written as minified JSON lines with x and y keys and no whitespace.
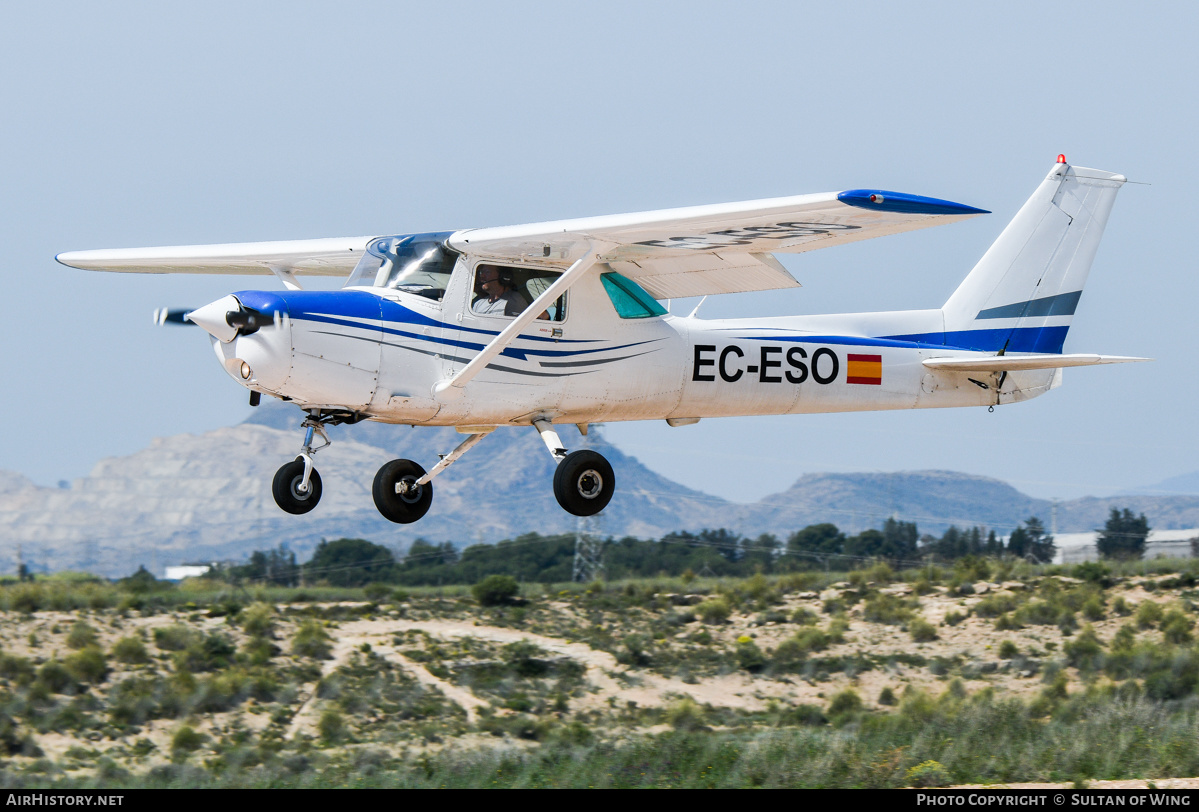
{"x":584,"y":483}
{"x":401,"y":508}
{"x":284,"y":488}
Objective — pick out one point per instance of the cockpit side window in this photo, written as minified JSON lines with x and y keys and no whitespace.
{"x":412,"y":263}
{"x":503,"y":290}
{"x":630,"y":299}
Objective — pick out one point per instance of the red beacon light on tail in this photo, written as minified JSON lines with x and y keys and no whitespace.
{"x":1061,"y":159}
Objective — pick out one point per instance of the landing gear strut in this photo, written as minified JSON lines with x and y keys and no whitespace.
{"x":297,"y":485}
{"x":403,"y":491}
{"x":583,"y":481}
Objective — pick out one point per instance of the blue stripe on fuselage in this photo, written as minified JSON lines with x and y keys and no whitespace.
{"x":316,"y":305}
{"x":342,"y":307}
{"x":1021,"y":339}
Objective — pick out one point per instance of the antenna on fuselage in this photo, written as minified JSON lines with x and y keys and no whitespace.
{"x":697,"y":307}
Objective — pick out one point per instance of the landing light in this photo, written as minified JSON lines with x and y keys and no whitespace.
{"x":246,"y":372}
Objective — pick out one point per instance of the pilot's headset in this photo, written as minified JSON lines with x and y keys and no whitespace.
{"x":503,"y":274}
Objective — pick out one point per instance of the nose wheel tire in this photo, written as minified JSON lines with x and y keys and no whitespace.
{"x":584,"y":483}
{"x":286,"y":488}
{"x":406,"y":507}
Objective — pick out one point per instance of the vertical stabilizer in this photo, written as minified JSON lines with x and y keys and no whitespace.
{"x":1022,"y":294}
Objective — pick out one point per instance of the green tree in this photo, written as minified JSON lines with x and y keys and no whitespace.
{"x":351,"y":562}
{"x":809,"y":547}
{"x":1040,"y":544}
{"x":276,"y":566}
{"x":1123,"y":536}
{"x":896,"y":542}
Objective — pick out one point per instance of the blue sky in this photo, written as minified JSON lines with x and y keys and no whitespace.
{"x":153,"y":124}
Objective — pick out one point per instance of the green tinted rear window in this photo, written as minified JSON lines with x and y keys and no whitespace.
{"x":630,"y":299}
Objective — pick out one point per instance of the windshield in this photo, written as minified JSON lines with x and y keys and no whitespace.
{"x":413,"y":263}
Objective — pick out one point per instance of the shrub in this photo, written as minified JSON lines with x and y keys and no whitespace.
{"x":714,"y":610}
{"x":332,"y":726}
{"x":377,"y":592}
{"x":794,"y":649}
{"x":82,"y":635}
{"x":1085,"y":652}
{"x":1121,"y":607}
{"x":881,"y":608}
{"x":312,"y":640}
{"x":17,"y":669}
{"x":1042,"y":613}
{"x":54,"y":676}
{"x":749,"y":656}
{"x":495,"y":590}
{"x":259,"y":620}
{"x":208,"y":653}
{"x":1093,"y":608}
{"x":808,"y":715}
{"x":1176,"y":626}
{"x":87,"y":665}
{"x":1149,"y":614}
{"x":804,"y":617}
{"x":130,"y":650}
{"x":996,"y":605}
{"x":634,"y":650}
{"x":175,"y":637}
{"x":187,"y":739}
{"x":1008,"y":650}
{"x":685,"y":715}
{"x":887,"y":697}
{"x":922,"y":631}
{"x":953,"y":618}
{"x":1007,"y":623}
{"x":844,"y":706}
{"x":928,"y":774}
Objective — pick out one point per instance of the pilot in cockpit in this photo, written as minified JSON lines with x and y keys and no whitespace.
{"x":498,"y":297}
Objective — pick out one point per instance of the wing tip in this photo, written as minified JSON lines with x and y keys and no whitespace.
{"x":903,"y":203}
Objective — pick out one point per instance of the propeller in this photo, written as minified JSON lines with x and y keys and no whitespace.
{"x":167,"y":316}
{"x":225,"y":319}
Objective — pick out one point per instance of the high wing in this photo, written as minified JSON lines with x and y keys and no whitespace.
{"x":724,"y":248}
{"x":672,"y":253}
{"x":324,"y":257}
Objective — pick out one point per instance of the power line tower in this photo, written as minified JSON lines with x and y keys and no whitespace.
{"x":589,"y":543}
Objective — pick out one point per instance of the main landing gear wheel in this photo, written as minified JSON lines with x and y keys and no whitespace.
{"x":397,"y":496}
{"x":287,"y":492}
{"x":584,"y":483}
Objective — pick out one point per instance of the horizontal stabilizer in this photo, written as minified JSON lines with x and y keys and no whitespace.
{"x":1012,"y":363}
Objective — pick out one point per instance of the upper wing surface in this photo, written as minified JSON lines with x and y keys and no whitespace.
{"x":724,"y":248}
{"x":325,"y":257}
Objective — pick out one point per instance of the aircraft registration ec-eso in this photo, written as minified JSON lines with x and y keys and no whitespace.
{"x":559,"y":323}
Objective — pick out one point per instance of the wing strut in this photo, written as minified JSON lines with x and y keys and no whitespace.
{"x":451,"y":389}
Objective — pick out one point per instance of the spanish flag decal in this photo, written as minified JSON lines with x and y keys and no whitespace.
{"x":864,"y":369}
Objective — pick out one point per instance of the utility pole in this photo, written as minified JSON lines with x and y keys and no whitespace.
{"x":589,"y":543}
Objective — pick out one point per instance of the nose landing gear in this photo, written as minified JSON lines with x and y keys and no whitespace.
{"x":297,"y":485}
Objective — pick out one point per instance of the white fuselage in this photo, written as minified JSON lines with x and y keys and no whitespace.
{"x":380,"y":353}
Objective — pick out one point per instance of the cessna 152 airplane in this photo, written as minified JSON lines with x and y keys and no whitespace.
{"x":559,"y":323}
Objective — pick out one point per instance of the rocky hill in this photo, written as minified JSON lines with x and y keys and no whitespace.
{"x":202,"y":497}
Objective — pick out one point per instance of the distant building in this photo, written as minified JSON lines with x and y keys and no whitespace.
{"x":186,"y":571}
{"x":1074,"y":548}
